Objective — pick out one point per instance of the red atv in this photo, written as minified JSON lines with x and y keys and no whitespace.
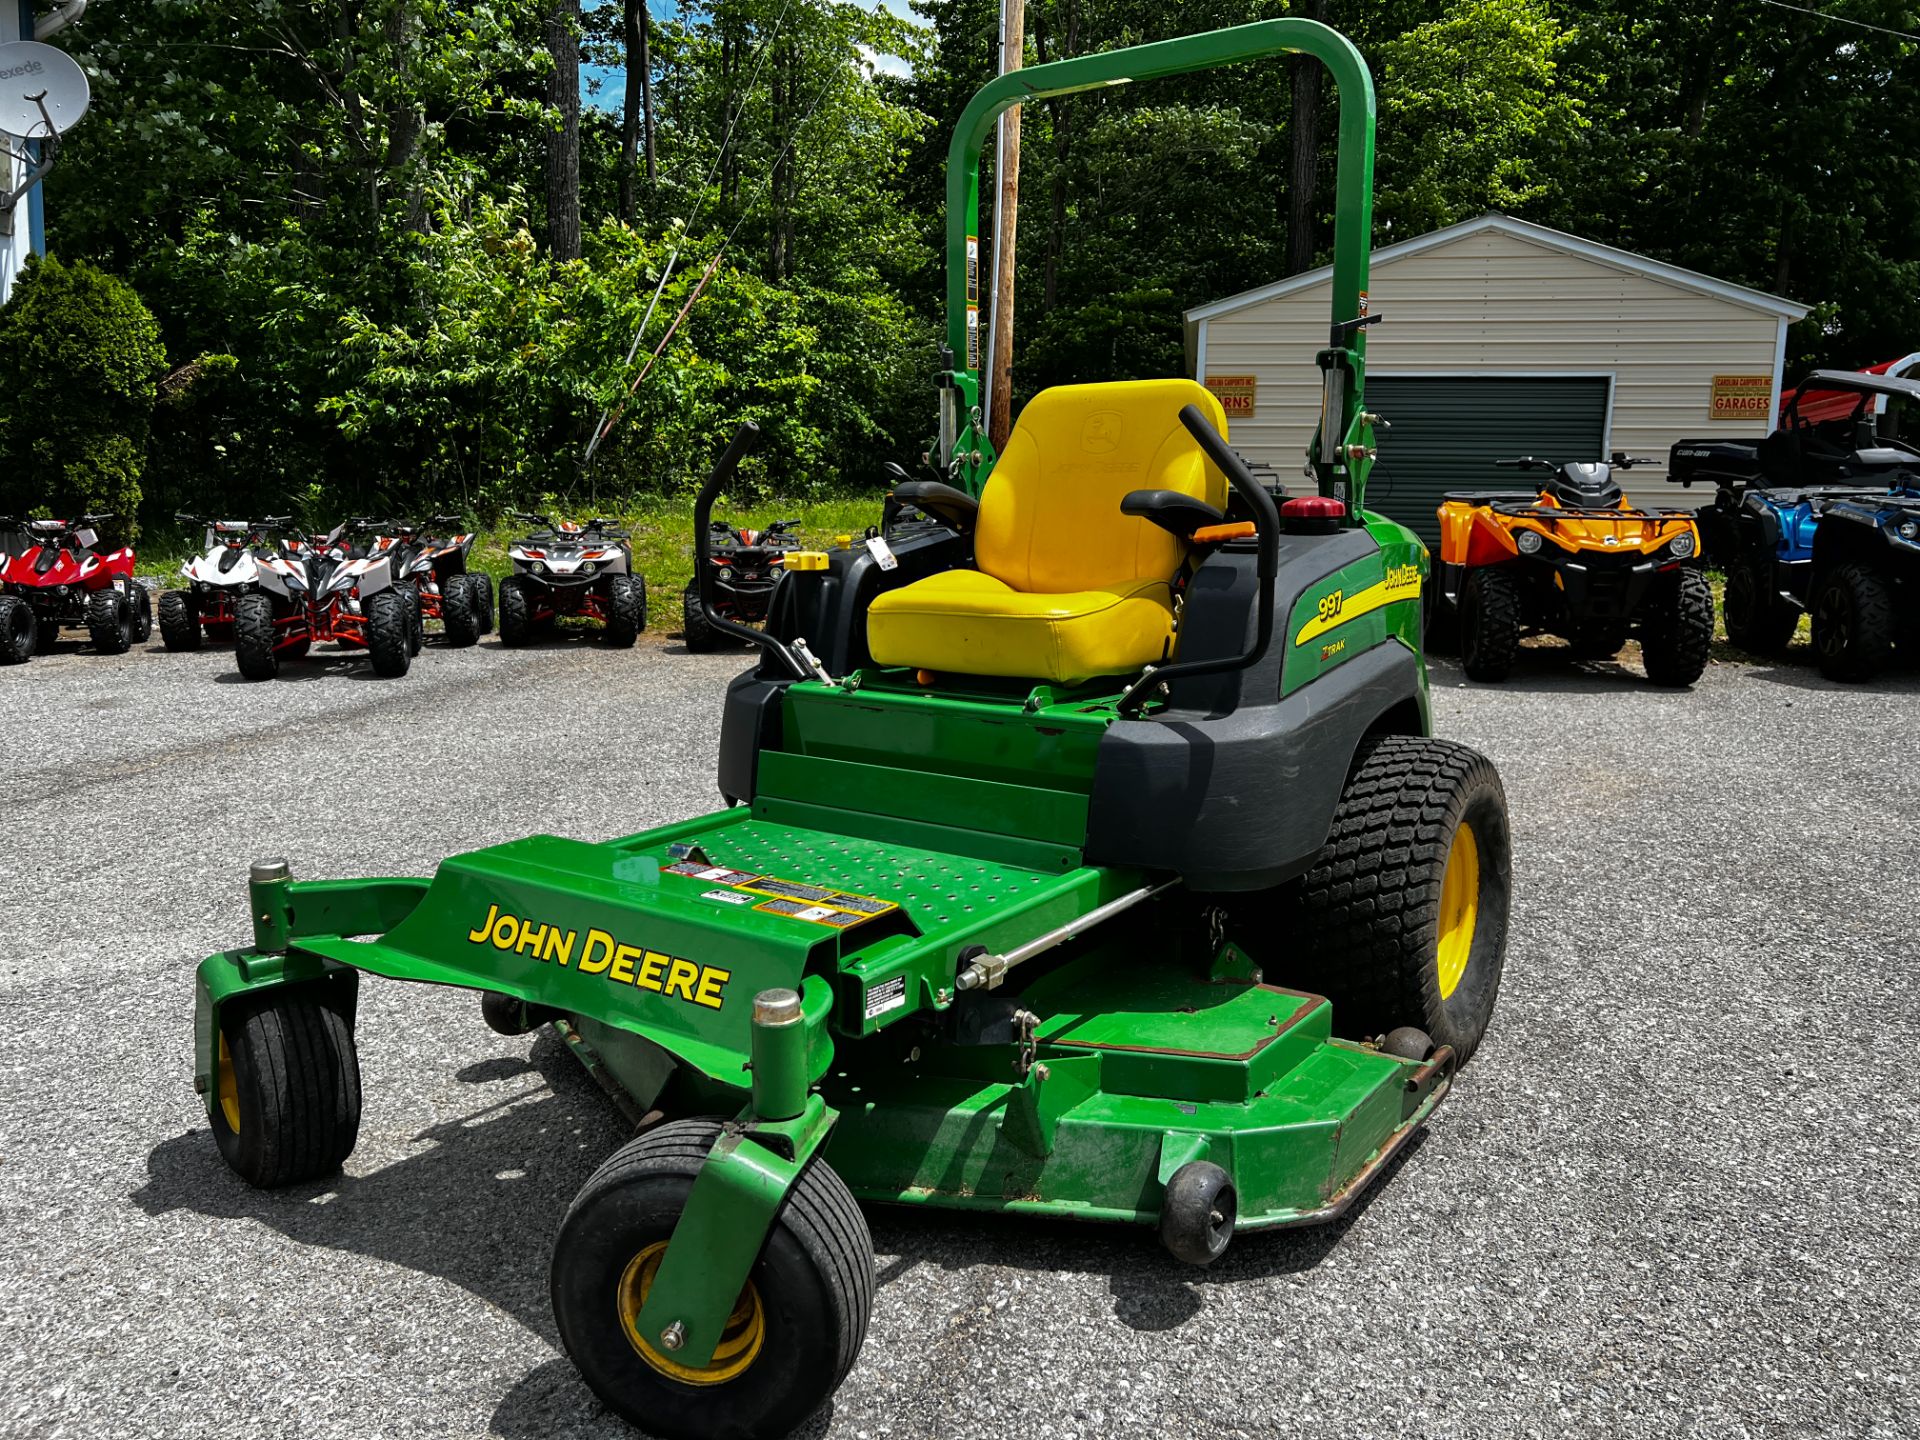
{"x":52,"y":575}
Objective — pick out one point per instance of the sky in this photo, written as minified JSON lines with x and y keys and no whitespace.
{"x":606,"y":88}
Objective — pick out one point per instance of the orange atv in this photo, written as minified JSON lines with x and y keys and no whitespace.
{"x":1574,"y":560}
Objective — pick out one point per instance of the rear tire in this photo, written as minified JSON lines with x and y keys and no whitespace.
{"x":1403,"y":917}
{"x":1489,"y":624}
{"x":795,"y":1334}
{"x":516,"y":612}
{"x":458,"y":622}
{"x":1758,"y":621}
{"x":481,"y":586}
{"x":179,"y":621}
{"x":142,"y":612}
{"x":416,"y":618}
{"x":1852,"y":623}
{"x":287,"y":1086}
{"x":1676,"y":628}
{"x":253,"y":637}
{"x":626,"y":612}
{"x":700,"y":635}
{"x":389,"y":634}
{"x":19,"y":630}
{"x":110,"y":621}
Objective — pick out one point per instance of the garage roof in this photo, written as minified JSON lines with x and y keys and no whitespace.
{"x":1536,"y":234}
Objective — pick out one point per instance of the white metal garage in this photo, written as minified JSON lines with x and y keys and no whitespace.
{"x":1501,"y":338}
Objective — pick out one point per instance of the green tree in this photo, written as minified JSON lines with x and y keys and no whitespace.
{"x":1472,"y":116}
{"x":80,"y":365}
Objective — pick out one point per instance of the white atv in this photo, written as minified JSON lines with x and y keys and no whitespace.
{"x":459,"y":598}
{"x":567,"y":569}
{"x":246,"y":588}
{"x":360,"y":596}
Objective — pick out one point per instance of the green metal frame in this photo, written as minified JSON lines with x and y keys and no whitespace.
{"x":1344,"y":462}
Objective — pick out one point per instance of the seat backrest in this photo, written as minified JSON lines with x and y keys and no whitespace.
{"x":1050,"y":520}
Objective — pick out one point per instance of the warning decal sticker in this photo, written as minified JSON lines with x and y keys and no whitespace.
{"x":815,"y":904}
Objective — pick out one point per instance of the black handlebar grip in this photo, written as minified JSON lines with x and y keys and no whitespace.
{"x":1266,"y":515}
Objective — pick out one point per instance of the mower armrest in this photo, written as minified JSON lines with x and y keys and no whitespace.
{"x":1174,"y":511}
{"x":943,"y":502}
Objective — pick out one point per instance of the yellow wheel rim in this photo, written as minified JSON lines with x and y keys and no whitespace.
{"x":1459,"y":908}
{"x":229,"y":1089}
{"x":740,"y":1341}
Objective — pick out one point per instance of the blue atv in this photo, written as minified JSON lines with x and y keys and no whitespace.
{"x":1820,"y":516}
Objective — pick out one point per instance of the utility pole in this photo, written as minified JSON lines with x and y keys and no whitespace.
{"x":1006,"y":218}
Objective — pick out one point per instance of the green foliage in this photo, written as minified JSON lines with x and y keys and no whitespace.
{"x":1471,"y":118}
{"x":80,"y":363}
{"x":338,"y":207}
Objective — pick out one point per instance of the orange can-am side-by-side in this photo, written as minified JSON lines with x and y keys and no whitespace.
{"x":1573,"y":559}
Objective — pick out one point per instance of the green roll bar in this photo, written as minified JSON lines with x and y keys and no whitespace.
{"x":1341,"y":454}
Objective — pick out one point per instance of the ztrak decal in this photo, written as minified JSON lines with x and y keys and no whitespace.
{"x":1337,"y":607}
{"x":634,"y":965}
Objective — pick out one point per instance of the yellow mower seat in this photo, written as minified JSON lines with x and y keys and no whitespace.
{"x":1067,"y":587}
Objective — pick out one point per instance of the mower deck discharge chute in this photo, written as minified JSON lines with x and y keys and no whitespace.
{"x":1116,"y":882}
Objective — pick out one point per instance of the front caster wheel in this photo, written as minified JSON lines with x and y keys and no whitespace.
{"x":287,"y":1092}
{"x":794,"y":1332}
{"x":1402,"y":921}
{"x":1198,"y":1213}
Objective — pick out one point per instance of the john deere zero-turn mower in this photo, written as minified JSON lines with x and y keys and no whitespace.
{"x":1086,"y":855}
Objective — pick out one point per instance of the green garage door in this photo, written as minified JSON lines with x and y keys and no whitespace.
{"x":1448,"y":430}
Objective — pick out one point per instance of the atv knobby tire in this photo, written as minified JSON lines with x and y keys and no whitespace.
{"x":1758,"y":620}
{"x":253,"y":637}
{"x":516,"y":612}
{"x":288,"y":1073}
{"x":1489,"y":624}
{"x":19,"y":631}
{"x":142,"y":604}
{"x":1373,"y":923}
{"x":110,"y":622}
{"x":626,"y":602}
{"x":459,"y":623}
{"x":700,"y":635}
{"x":389,"y":633}
{"x":179,"y":621}
{"x":1852,"y":623}
{"x":416,"y":617}
{"x":1676,"y":627}
{"x":480,"y":585}
{"x":794,"y":1336}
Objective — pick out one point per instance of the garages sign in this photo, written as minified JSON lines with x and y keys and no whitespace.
{"x":1235,"y":392}
{"x":1741,"y":397}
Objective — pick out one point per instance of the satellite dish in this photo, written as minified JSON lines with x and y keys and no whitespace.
{"x":43,"y":91}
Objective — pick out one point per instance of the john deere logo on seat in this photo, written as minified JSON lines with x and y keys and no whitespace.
{"x":1102,"y":432}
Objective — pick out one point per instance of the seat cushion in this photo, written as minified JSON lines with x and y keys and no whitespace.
{"x":967,"y":623}
{"x":1050,"y":518}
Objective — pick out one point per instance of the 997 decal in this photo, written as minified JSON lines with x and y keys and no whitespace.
{"x":1337,"y":607}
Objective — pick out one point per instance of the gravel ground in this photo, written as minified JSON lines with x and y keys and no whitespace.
{"x":1673,"y":1195}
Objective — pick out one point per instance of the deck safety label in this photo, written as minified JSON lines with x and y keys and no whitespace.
{"x":887,"y":995}
{"x":815,"y":904}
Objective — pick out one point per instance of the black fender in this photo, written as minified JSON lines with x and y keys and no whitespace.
{"x":1244,"y":800}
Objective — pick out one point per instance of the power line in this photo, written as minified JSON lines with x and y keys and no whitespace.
{"x":1841,"y":20}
